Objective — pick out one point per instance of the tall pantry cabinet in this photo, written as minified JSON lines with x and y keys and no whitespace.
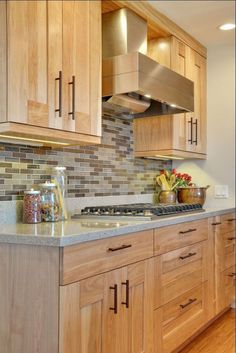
{"x":52,"y":65}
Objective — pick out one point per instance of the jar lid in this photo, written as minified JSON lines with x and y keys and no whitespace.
{"x":32,"y":192}
{"x":48,"y":185}
{"x":60,"y":168}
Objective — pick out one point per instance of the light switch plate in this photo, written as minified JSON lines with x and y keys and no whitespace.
{"x":221,"y":191}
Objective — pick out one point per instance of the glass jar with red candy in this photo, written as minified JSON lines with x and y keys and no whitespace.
{"x":32,"y":206}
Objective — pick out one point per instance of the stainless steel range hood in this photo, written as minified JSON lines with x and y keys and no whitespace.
{"x":134,"y":85}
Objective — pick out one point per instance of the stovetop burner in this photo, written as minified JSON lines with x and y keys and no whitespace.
{"x":143,"y":210}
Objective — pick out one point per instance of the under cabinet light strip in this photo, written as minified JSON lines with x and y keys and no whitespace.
{"x":38,"y":142}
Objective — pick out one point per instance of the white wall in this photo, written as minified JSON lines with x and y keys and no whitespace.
{"x":219,"y":168}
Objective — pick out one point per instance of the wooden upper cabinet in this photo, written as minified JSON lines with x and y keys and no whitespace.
{"x":27,"y":62}
{"x":81,"y":74}
{"x":55,"y":64}
{"x":179,"y":135}
{"x":74,"y":59}
{"x":51,"y":69}
{"x":196,"y":121}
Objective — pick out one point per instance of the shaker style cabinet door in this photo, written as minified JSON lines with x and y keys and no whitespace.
{"x":90,"y":315}
{"x":109,"y":313}
{"x":179,"y":64}
{"x":54,"y":37}
{"x":53,"y":59}
{"x":225,"y":260}
{"x":27,"y":62}
{"x":81,"y":59}
{"x":138,"y":303}
{"x":196,"y":122}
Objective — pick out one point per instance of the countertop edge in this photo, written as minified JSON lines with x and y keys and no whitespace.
{"x":73,"y":239}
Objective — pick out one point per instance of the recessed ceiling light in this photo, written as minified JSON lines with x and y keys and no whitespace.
{"x":227,"y":26}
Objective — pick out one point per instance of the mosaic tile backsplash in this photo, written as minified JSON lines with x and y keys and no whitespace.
{"x":104,"y":170}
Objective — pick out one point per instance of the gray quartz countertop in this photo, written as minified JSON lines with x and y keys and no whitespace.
{"x":78,"y":231}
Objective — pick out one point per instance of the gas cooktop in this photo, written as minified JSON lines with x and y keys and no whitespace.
{"x":137,"y":211}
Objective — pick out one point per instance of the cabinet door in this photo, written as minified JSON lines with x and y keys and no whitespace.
{"x":179,"y":64}
{"x":196,"y":121}
{"x":90,"y":315}
{"x":82,"y":66}
{"x":140,"y":308}
{"x":109,"y":313}
{"x":224,"y":229}
{"x":27,"y":62}
{"x":55,"y":63}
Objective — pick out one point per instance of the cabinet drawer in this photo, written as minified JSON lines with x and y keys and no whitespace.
{"x":229,"y":256}
{"x":227,"y":253}
{"x":229,"y":278}
{"x":179,"y":271}
{"x":181,"y":318}
{"x":227,"y":222}
{"x":88,"y":259}
{"x":179,"y":235}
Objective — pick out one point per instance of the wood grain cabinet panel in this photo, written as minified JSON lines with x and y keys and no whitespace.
{"x":85,"y":260}
{"x":112,"y":312}
{"x":51,"y":70}
{"x":224,"y":234}
{"x":27,"y":62}
{"x":81,"y":75}
{"x":179,"y":319}
{"x":229,"y":278}
{"x":180,"y":235}
{"x":196,"y":122}
{"x":29,"y":302}
{"x":178,"y":271}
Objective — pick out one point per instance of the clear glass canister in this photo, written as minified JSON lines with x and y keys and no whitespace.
{"x":32,"y":206}
{"x":60,"y":179}
{"x":50,"y":209}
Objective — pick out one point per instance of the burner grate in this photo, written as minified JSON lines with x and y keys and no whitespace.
{"x":142,"y":209}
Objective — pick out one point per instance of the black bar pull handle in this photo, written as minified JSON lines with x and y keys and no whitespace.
{"x":233,"y":274}
{"x":190,"y":230}
{"x":216,"y":223}
{"x":188,"y":303}
{"x":114,"y":308}
{"x":126,"y":284}
{"x":73,"y":98}
{"x":59,"y":109}
{"x":124,"y":246}
{"x":231,"y":219}
{"x":196,"y":132}
{"x":190,"y":254}
{"x":191,"y":130}
{"x":232,"y":238}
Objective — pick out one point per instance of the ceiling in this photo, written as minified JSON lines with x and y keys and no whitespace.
{"x":201,"y":18}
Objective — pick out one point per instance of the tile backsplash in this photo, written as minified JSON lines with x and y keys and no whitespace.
{"x":108,"y":169}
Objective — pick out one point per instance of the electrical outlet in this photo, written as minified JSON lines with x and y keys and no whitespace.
{"x":221,"y":191}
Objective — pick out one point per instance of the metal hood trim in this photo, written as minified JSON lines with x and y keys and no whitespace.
{"x":162,"y":90}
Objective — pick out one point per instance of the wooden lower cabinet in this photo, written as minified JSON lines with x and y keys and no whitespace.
{"x":179,"y":319}
{"x":109,"y":313}
{"x":144,"y":292}
{"x":225,"y":260}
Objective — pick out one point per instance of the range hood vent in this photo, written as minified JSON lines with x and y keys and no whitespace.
{"x":134,"y":85}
